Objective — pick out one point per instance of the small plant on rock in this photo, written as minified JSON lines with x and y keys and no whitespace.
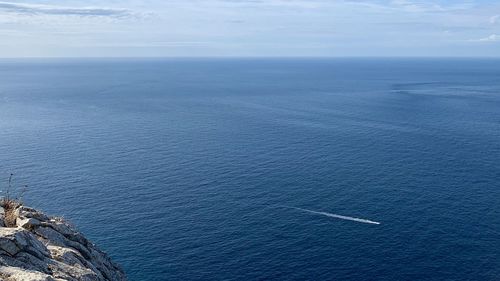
{"x":11,"y":203}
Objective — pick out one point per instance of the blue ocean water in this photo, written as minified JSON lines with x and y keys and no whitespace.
{"x":185,"y":169}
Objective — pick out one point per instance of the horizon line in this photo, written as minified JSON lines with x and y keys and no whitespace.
{"x":249,"y":57}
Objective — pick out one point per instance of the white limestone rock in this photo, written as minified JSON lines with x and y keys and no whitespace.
{"x":48,"y":249}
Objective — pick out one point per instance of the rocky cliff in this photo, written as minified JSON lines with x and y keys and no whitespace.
{"x":42,"y":248}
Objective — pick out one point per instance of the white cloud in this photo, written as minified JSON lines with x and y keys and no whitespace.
{"x":32,"y":9}
{"x":491,"y":38}
{"x":495,"y":19}
{"x":429,"y":6}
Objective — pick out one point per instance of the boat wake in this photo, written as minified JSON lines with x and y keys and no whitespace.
{"x":334,"y":215}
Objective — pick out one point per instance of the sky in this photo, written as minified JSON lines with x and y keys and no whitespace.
{"x":250,"y":28}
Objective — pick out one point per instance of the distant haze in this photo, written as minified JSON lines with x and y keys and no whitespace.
{"x":205,"y":28}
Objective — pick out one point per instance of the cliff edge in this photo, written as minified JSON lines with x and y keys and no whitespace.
{"x":36,"y":247}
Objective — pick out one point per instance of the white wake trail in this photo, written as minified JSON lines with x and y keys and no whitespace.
{"x":335,"y":216}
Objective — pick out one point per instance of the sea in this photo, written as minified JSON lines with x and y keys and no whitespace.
{"x":264,"y":168}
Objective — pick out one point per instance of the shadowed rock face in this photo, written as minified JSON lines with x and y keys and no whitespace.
{"x":42,"y":248}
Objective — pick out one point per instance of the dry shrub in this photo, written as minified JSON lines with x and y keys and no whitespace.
{"x":10,"y":204}
{"x":10,"y":215}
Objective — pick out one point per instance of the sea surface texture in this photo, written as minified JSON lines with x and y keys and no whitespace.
{"x":264,"y":169}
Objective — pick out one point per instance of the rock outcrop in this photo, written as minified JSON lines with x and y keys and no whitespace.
{"x":42,"y":248}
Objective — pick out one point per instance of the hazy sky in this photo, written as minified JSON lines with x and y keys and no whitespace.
{"x":249,"y":28}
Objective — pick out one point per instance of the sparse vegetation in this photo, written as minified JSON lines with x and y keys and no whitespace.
{"x":11,"y":203}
